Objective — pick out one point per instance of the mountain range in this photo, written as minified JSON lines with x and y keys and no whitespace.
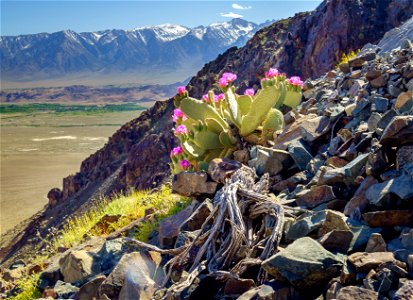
{"x":159,"y":51}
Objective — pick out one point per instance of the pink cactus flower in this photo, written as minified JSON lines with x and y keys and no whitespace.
{"x":249,"y":92}
{"x":181,"y":129}
{"x":178,"y":114}
{"x":264,"y":79}
{"x":181,"y":90}
{"x":230,"y":77}
{"x":296,"y":81}
{"x":205,"y":98}
{"x":176,"y":151}
{"x":271,"y":73}
{"x":219,"y":97}
{"x":223,"y":82}
{"x":185,"y":164}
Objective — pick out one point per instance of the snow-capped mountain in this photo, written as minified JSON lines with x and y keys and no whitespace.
{"x":163,"y":48}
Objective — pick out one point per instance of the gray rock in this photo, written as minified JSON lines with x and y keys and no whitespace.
{"x":90,"y":290}
{"x":407,"y":240}
{"x":307,"y":223}
{"x":337,"y":240}
{"x":300,"y":154}
{"x":65,"y":290}
{"x":312,"y":129}
{"x":379,"y":104}
{"x":346,"y":174}
{"x":169,"y":228}
{"x":398,"y":132}
{"x":305,"y":264}
{"x":373,"y":121}
{"x":386,"y":118}
{"x":376,"y":243}
{"x":135,"y":277}
{"x":267,"y":160}
{"x":191,"y":184}
{"x":361,"y":234}
{"x":404,"y":156}
{"x":380,"y":194}
{"x":77,"y":266}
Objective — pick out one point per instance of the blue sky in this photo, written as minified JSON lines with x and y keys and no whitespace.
{"x":25,"y":17}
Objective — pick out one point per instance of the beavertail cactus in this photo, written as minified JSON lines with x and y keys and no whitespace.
{"x":216,"y":125}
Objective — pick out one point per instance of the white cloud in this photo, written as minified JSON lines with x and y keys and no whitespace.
{"x":231,"y":15}
{"x":237,"y":6}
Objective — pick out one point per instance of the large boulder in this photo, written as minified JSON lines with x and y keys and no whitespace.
{"x":77,"y":265}
{"x":305,"y":264}
{"x":136,"y":275}
{"x":192,"y":184}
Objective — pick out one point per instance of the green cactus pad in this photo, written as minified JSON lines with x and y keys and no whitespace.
{"x":292,"y":99}
{"x":198,"y":110}
{"x":263,"y":102}
{"x":234,"y":109}
{"x":193,"y":150}
{"x":273,"y":122}
{"x":244,"y":103}
{"x":207,"y":140}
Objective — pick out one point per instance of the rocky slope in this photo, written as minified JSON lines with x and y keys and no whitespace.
{"x":162,"y":48}
{"x":137,"y":155}
{"x":329,"y":216}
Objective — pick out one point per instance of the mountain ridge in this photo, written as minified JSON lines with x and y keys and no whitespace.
{"x":150,"y":49}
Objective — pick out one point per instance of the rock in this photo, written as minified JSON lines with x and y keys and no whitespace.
{"x":90,"y":290}
{"x":346,"y":174}
{"x":380,"y":81}
{"x":112,"y":251}
{"x":169,"y":227}
{"x":334,"y":221}
{"x":50,"y":276}
{"x":358,"y":202}
{"x":376,"y":243}
{"x":55,"y":195}
{"x":311,"y":129}
{"x":267,"y":160}
{"x":344,"y":67}
{"x":337,"y":240}
{"x":372,"y":74}
{"x":354,"y":292}
{"x":136,"y":275}
{"x":361,"y":234}
{"x":305,"y":264}
{"x":379,"y":104}
{"x":356,"y":62}
{"x":373,"y":121}
{"x":307,"y":223}
{"x":364,"y":261}
{"x":407,"y":240}
{"x":221,"y":169}
{"x":398,"y":132}
{"x":77,"y":266}
{"x":195,"y":221}
{"x":315,"y":196}
{"x":242,"y":156}
{"x":405,"y":292}
{"x":355,"y":88}
{"x":404,"y":156}
{"x":192,"y":184}
{"x":64,"y":290}
{"x":379,"y":194}
{"x":403,"y":99}
{"x":389,"y":218}
{"x":300,"y":154}
{"x":236,"y":287}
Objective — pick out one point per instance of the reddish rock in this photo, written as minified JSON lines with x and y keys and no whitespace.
{"x":380,"y":81}
{"x":315,"y":196}
{"x":398,"y":132}
{"x":364,"y":261}
{"x":372,"y":74}
{"x":389,"y":218}
{"x":192,"y":184}
{"x":355,"y":292}
{"x":358,"y":202}
{"x":402,"y":99}
{"x":236,"y":287}
{"x":55,"y":196}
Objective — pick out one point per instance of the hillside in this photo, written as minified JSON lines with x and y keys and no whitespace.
{"x":321,"y":209}
{"x":138,"y":154}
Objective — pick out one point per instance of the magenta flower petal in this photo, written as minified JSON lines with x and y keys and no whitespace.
{"x":181,"y":129}
{"x":249,"y":92}
{"x":223,"y":82}
{"x":185,"y":164}
{"x":176,"y":151}
{"x":272,"y":73}
{"x":230,"y":77}
{"x":181,"y":90}
{"x":296,"y":81}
